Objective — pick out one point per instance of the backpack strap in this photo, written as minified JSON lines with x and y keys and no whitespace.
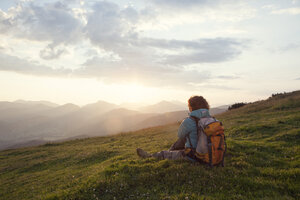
{"x":221,"y":142}
{"x":209,"y":144}
{"x":188,"y":136}
{"x":225,"y":146}
{"x":196,"y":120}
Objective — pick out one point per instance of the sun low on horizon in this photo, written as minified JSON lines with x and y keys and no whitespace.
{"x":81,"y":51}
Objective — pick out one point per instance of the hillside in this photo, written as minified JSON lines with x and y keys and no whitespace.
{"x":263,"y":162}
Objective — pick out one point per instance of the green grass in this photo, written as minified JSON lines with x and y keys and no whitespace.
{"x":263,"y":162}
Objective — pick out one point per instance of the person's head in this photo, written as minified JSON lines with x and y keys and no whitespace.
{"x":197,"y":102}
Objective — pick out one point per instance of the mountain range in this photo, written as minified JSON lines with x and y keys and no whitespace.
{"x":24,"y":123}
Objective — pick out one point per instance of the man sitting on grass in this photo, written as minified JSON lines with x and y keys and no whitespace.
{"x":187,"y":132}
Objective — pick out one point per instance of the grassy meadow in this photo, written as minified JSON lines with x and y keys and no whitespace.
{"x":262,"y":162}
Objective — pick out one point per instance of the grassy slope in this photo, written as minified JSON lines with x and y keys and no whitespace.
{"x":263,"y":160}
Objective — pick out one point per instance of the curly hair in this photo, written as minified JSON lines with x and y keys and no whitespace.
{"x":198,"y":102}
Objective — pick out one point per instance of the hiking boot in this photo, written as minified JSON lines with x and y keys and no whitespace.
{"x":142,"y":153}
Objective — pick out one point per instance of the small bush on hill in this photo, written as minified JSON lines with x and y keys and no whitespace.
{"x":236,"y":105}
{"x":284,"y":94}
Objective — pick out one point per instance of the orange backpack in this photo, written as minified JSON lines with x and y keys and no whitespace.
{"x":211,"y":145}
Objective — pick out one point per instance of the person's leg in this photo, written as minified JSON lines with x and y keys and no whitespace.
{"x":171,"y":155}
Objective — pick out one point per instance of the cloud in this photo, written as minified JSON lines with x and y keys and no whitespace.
{"x":269,"y":7}
{"x":18,"y":65}
{"x":291,"y":46}
{"x":290,"y":11}
{"x":140,"y":62}
{"x":155,"y":76}
{"x":184,"y":3}
{"x":108,"y":72}
{"x":170,"y":13}
{"x":204,"y":51}
{"x":136,"y":55}
{"x":287,"y":47}
{"x":53,"y":23}
{"x":52,"y":52}
{"x":209,"y":86}
{"x":119,"y":52}
{"x":228,"y":77}
{"x":298,"y":79}
{"x":117,"y":33}
{"x":5,"y":23}
{"x":110,"y":27}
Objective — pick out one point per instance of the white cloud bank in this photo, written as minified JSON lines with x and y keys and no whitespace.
{"x":290,"y":11}
{"x":113,"y":30}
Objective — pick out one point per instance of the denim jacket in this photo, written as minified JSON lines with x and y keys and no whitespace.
{"x":188,"y":126}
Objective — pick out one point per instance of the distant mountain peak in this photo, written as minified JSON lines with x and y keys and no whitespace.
{"x":46,"y":103}
{"x":163,"y":101}
{"x":69,"y":106}
{"x":100,"y":102}
{"x":162,"y":107}
{"x":98,"y":107}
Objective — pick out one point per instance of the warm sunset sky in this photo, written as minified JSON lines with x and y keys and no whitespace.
{"x":81,"y":51}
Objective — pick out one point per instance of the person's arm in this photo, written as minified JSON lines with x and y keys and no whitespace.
{"x":184,"y":128}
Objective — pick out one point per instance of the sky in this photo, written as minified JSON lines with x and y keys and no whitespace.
{"x":82,"y":51}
